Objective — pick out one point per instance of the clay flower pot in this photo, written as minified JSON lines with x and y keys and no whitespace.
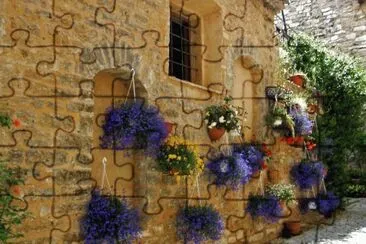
{"x":169,"y":127}
{"x":274,"y":176}
{"x":285,"y":210}
{"x":216,"y":133}
{"x":313,"y":108}
{"x":293,"y":227}
{"x":298,"y":79}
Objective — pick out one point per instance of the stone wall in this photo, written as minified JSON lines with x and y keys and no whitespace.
{"x":340,"y":23}
{"x":64,"y":62}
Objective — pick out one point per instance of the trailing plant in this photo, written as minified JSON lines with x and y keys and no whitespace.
{"x":283,"y":192}
{"x":231,"y":171}
{"x":133,"y":125}
{"x":222,"y":116}
{"x":341,"y":80}
{"x":178,"y":157}
{"x":255,"y":156}
{"x":11,"y":216}
{"x":307,"y":174}
{"x":5,"y":120}
{"x":267,"y":207}
{"x":199,"y":223}
{"x":109,"y":219}
{"x":327,"y":203}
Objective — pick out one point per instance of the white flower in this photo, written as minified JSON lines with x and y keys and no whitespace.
{"x":222,"y":119}
{"x":277,"y":122}
{"x":239,"y":128}
{"x":213,"y":124}
{"x":300,"y":101}
{"x":207,"y":114}
{"x":231,"y":115}
{"x":224,"y":167}
{"x":206,"y":121}
{"x":312,"y":205}
{"x":236,"y":112}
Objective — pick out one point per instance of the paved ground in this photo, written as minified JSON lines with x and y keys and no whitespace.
{"x":349,"y":228}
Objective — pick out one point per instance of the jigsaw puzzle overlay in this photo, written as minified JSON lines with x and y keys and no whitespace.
{"x":63,"y":62}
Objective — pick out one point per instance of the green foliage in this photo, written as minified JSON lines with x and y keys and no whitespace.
{"x":355,"y":190}
{"x":5,"y":120}
{"x":284,"y":192}
{"x":342,"y":82}
{"x":9,"y":215}
{"x":222,"y":116}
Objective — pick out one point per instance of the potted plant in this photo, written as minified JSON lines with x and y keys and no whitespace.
{"x":133,"y":125}
{"x":255,"y":156}
{"x":298,"y":78}
{"x":267,"y":207}
{"x":178,"y":157}
{"x":231,"y":171}
{"x":327,"y":203}
{"x":221,"y":118}
{"x":307,"y":174}
{"x":109,"y":219}
{"x":285,"y":193}
{"x":199,"y":223}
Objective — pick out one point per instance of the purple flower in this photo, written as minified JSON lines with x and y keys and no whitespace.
{"x":199,"y":223}
{"x":303,"y":125}
{"x":267,"y":207}
{"x":307,"y":174}
{"x":109,"y":219}
{"x":133,"y":125}
{"x":327,"y":203}
{"x":252,"y":155}
{"x":231,"y":171}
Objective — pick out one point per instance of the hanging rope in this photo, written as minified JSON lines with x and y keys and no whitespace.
{"x":260,"y":184}
{"x":198,"y":189}
{"x":105,"y":176}
{"x":132,"y":85}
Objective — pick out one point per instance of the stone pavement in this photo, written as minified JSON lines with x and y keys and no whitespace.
{"x":349,"y":227}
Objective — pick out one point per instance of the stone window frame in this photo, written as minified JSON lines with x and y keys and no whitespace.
{"x":198,"y":16}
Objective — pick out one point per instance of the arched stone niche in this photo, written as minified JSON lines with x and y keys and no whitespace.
{"x":247,"y":74}
{"x":111,"y":88}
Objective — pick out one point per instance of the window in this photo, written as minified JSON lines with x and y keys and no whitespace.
{"x":182,"y":62}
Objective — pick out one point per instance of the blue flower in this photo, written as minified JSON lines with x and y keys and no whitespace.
{"x":133,"y":125}
{"x":307,"y":174}
{"x":303,"y":124}
{"x":327,"y":203}
{"x":231,"y":171}
{"x":252,"y":155}
{"x":267,"y":207}
{"x":109,"y":219}
{"x":199,"y":223}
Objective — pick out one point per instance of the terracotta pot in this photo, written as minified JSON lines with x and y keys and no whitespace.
{"x":285,"y":210}
{"x":169,"y":127}
{"x":216,"y":133}
{"x":313,"y":108}
{"x":294,"y":227}
{"x":274,"y":176}
{"x":298,"y":80}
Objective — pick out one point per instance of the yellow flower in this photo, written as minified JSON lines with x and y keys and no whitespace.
{"x":172,"y":156}
{"x":179,"y":158}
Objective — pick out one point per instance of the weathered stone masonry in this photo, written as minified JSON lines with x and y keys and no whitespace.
{"x":340,"y":23}
{"x":64,"y":62}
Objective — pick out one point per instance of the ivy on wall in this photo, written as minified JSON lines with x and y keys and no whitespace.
{"x":341,"y":80}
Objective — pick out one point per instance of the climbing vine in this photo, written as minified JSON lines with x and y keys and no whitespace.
{"x":341,"y":81}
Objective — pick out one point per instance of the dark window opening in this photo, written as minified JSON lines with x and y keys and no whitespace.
{"x":180,"y":57}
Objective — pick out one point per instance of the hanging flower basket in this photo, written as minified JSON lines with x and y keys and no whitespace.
{"x":109,"y":219}
{"x":216,"y":133}
{"x":199,"y":223}
{"x":221,"y":118}
{"x":231,"y":171}
{"x":307,"y":174}
{"x":277,"y":92}
{"x":178,"y":157}
{"x":327,"y":203}
{"x":255,"y":157}
{"x":133,"y":125}
{"x":267,"y":207}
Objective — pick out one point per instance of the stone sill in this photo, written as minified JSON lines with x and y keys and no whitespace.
{"x":193,"y":85}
